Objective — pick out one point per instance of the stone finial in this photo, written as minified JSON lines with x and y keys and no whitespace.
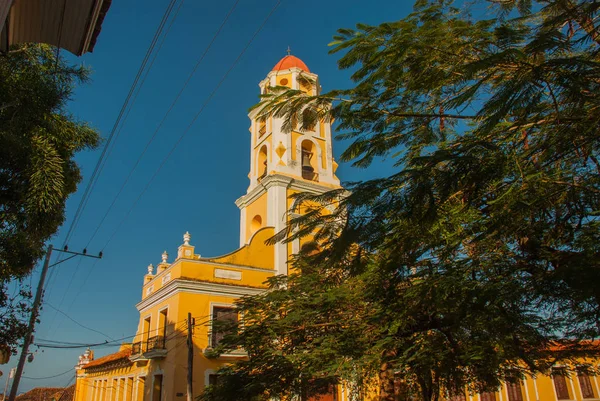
{"x":186,"y":238}
{"x":150,"y":268}
{"x":165,"y":256}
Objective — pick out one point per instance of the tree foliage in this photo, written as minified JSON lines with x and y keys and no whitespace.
{"x":38,"y":141}
{"x":481,"y":251}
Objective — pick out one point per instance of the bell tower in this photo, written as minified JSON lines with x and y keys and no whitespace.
{"x":284,"y":163}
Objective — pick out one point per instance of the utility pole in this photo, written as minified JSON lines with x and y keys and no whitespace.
{"x":190,"y":344}
{"x":28,"y":339}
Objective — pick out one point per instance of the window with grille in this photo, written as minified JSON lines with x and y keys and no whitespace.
{"x":458,"y":397}
{"x":560,"y":384}
{"x":488,"y":396}
{"x":222,"y":317}
{"x":586,"y":384}
{"x":514,"y":391}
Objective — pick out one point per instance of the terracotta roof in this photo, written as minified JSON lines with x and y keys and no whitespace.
{"x":39,"y":394}
{"x":123,"y":354}
{"x":66,"y":394}
{"x":289,"y":62}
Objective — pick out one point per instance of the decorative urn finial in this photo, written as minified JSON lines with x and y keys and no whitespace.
{"x":150,"y":268}
{"x":186,"y":238}
{"x":165,"y":256}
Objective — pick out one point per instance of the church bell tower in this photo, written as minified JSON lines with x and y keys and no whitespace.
{"x":282,"y":164}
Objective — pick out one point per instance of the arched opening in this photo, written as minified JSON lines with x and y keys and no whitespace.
{"x":262,"y":162}
{"x":309,"y":161}
{"x":256,"y":223}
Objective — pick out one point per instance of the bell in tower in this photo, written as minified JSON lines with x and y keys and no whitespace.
{"x":307,"y":169}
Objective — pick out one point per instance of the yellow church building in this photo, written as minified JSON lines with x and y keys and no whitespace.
{"x":154,"y":367}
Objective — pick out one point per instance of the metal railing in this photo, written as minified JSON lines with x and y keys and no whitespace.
{"x":136,"y":348}
{"x":156,"y":342}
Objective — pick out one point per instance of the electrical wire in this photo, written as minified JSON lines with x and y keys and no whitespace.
{"x":48,"y":377}
{"x":187,"y":129}
{"x":161,"y":123}
{"x":173,"y":103}
{"x":114,"y":135}
{"x":76,"y":322}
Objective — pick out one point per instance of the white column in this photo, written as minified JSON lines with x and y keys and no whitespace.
{"x":573,"y":387}
{"x":526,"y":389}
{"x":242,"y":226}
{"x":537,"y":395}
{"x":276,"y":217}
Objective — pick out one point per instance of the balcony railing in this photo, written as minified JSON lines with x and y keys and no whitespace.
{"x":155,"y":343}
{"x":153,"y":347}
{"x":136,"y":348}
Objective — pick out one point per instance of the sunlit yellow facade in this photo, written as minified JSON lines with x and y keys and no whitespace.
{"x":154,"y":366}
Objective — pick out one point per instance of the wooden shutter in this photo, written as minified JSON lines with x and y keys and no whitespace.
{"x":560,"y":384}
{"x":489,"y":396}
{"x":585,"y":384}
{"x":514,"y":391}
{"x":221,"y":314}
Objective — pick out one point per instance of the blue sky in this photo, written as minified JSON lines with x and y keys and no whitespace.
{"x":196,"y":189}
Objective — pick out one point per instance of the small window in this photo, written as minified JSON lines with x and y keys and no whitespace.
{"x":222,"y":316}
{"x":585,"y":383}
{"x":149,"y":290}
{"x":560,"y":384}
{"x":166,"y":277}
{"x":213,"y":379}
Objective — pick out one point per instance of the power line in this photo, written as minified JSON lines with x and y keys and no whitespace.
{"x":91,"y":184}
{"x":114,"y":133}
{"x":187,"y":129}
{"x":67,"y":345}
{"x":49,"y":377}
{"x":76,"y":322}
{"x":185,"y":84}
{"x":151,"y":140}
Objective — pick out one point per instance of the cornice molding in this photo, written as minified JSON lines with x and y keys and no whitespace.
{"x":280,"y":180}
{"x":195,"y":287}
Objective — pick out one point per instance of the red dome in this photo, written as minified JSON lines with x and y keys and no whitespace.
{"x":289,"y":62}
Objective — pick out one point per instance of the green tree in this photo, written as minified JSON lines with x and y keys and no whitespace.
{"x":482,"y":249}
{"x":38,"y":141}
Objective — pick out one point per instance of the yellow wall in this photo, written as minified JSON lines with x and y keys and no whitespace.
{"x":258,"y":207}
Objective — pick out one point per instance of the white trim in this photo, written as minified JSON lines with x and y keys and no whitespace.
{"x":177,"y":286}
{"x":526,"y":389}
{"x":535,"y":389}
{"x":164,"y":329}
{"x":573,"y":387}
{"x":207,"y":374}
{"x":596,"y":387}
